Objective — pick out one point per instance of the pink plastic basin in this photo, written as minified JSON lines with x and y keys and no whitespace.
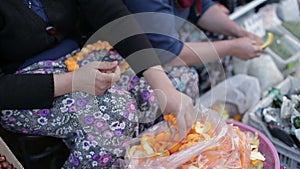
{"x":266,"y":147}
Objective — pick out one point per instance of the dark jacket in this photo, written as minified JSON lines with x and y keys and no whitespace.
{"x":23,"y":35}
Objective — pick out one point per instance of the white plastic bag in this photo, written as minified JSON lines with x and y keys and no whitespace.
{"x":263,"y":68}
{"x":266,"y":71}
{"x":288,"y":10}
{"x":269,"y":16}
{"x":240,"y":90}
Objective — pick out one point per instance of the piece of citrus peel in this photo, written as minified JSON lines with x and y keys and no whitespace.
{"x":257,"y":159}
{"x":269,"y":40}
{"x":71,"y":62}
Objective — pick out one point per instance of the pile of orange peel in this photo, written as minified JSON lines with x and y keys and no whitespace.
{"x":163,"y":145}
{"x":257,"y":159}
{"x":71,"y":62}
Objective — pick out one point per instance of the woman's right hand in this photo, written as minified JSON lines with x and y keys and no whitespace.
{"x":96,"y":77}
{"x":170,"y":100}
{"x":245,"y":48}
{"x":179,"y":104}
{"x":93,"y":78}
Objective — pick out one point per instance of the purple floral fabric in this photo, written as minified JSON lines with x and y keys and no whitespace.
{"x":96,"y":128}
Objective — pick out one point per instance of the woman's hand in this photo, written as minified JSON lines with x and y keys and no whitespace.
{"x":171,"y":101}
{"x":245,"y":48}
{"x":259,"y":41}
{"x":93,"y":78}
{"x":179,"y":104}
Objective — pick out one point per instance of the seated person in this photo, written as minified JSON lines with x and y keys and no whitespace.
{"x":39,"y":96}
{"x":203,"y":13}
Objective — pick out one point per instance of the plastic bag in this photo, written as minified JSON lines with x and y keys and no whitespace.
{"x":241,"y":90}
{"x":266,"y":71}
{"x":263,"y":68}
{"x":224,"y":147}
{"x":232,"y":151}
{"x":269,"y":16}
{"x":288,"y":10}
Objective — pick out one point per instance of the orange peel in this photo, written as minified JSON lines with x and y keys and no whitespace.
{"x":71,"y":62}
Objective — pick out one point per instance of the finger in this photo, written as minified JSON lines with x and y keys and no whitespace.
{"x":190,"y":119}
{"x":255,"y":55}
{"x":182,"y":125}
{"x":117,"y":73}
{"x":106,"y":77}
{"x":93,"y":64}
{"x":162,"y":99}
{"x":107,"y":70}
{"x":258,"y":54}
{"x":258,"y":49}
{"x":191,"y":115}
{"x":107,"y":65}
{"x":103,"y":87}
{"x":253,"y":42}
{"x":259,"y":40}
{"x":116,"y":76}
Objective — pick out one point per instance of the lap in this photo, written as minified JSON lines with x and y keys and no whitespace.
{"x":96,"y":124}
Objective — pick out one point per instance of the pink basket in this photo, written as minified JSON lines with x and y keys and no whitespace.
{"x":266,"y":147}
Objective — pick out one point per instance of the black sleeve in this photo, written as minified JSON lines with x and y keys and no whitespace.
{"x":124,"y":34}
{"x":27,"y":91}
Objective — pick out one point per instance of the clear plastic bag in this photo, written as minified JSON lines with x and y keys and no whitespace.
{"x":224,"y":147}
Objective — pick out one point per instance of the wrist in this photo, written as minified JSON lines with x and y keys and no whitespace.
{"x":232,"y":47}
{"x":62,"y":83}
{"x":157,"y":78}
{"x":240,"y":32}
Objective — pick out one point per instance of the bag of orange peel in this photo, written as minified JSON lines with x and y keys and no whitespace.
{"x":211,"y":143}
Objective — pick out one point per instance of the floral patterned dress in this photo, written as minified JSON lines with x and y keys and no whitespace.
{"x":96,"y":128}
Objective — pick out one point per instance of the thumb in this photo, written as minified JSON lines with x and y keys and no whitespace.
{"x":253,"y":42}
{"x":258,"y":49}
{"x":182,"y":126}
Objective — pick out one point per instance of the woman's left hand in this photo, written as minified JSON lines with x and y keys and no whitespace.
{"x":259,"y":41}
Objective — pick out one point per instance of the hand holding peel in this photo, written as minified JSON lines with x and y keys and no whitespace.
{"x":179,"y":105}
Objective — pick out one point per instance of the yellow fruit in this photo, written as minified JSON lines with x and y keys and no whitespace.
{"x":269,"y":40}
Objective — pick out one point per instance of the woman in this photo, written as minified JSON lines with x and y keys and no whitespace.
{"x":183,"y":40}
{"x":206,"y":15}
{"x":46,"y":27}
